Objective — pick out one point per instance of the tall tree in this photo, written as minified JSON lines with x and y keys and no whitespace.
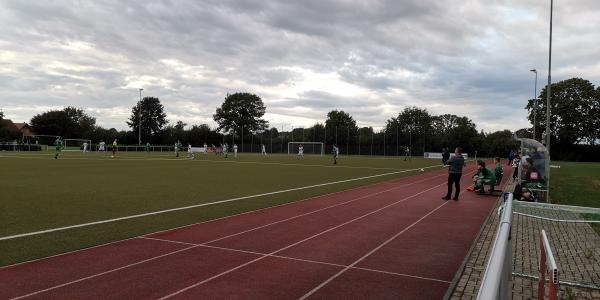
{"x":411,"y":126}
{"x":153,"y":117}
{"x":341,"y":128}
{"x":69,"y":122}
{"x":575,"y":112}
{"x":241,"y":110}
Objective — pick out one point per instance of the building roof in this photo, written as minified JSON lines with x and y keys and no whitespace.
{"x":9,"y":125}
{"x":20,"y":126}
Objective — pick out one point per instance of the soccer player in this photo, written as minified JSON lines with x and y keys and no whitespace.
{"x":85,"y":147}
{"x":407,"y":154}
{"x":102,"y":146}
{"x":263,"y":151}
{"x":114,"y":148}
{"x":58,"y":144}
{"x":147,"y":147}
{"x":206,"y":148}
{"x":300,"y":152}
{"x":335,"y":152}
{"x":177,"y":148}
{"x":235,"y":150}
{"x":190,"y":152}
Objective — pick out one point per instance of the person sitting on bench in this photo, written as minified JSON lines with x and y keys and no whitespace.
{"x":483,"y":177}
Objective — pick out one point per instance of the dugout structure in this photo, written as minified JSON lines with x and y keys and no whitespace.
{"x":534,"y":168}
{"x":309,"y":148}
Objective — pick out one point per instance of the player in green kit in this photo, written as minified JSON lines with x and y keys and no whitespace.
{"x":58,"y":144}
{"x":147,"y":146}
{"x":177,"y":148}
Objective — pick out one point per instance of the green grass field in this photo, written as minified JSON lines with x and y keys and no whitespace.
{"x":577,"y":184}
{"x":40,"y":193}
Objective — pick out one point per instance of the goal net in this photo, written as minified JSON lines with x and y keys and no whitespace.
{"x":40,"y":139}
{"x":309,"y":148}
{"x":77,"y":145}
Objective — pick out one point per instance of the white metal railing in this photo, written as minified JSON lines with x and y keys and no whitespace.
{"x":548,"y":267}
{"x":498,"y":273}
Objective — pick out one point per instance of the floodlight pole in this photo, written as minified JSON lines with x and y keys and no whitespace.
{"x":140,"y":119}
{"x":534,"y":102}
{"x":548,"y":95}
{"x":549,"y":90}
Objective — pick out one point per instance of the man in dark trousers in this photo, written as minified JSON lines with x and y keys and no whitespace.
{"x":456,"y":164}
{"x":445,"y":157}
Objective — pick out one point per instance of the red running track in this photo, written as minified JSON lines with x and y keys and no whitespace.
{"x":395,"y":239}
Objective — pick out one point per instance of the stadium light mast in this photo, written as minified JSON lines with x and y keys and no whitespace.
{"x":140,"y":119}
{"x":548,"y":95}
{"x":534,"y":102}
{"x":549,"y":90}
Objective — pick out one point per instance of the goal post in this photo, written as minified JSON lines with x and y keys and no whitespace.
{"x":76,"y":144}
{"x":317,"y":148}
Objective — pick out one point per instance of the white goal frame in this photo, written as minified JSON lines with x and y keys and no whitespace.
{"x":65,"y":146}
{"x":306,"y":143}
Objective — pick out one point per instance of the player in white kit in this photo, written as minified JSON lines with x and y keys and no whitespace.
{"x":300,"y":151}
{"x":235,"y":150}
{"x":263,"y":151}
{"x":190,"y":152}
{"x":85,"y":147}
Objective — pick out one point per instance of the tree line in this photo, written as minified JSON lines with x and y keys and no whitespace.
{"x":575,"y":127}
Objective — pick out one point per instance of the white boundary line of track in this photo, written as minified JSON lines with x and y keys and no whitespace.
{"x":210,"y":220}
{"x":10,"y":237}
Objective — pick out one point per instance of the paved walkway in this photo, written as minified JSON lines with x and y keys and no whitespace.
{"x":576,"y":247}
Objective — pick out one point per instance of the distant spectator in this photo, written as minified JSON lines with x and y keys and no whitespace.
{"x":511,"y":156}
{"x":445,"y":156}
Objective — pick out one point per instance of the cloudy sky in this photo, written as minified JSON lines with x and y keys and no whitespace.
{"x":304,"y":58}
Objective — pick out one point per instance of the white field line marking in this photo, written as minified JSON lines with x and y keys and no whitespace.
{"x":303,"y":260}
{"x":102,"y":273}
{"x":138,"y":158}
{"x":198,"y":205}
{"x":297,"y":243}
{"x":211,"y":220}
{"x":369,"y":253}
{"x":194,"y":246}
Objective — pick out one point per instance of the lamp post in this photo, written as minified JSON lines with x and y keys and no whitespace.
{"x":140,"y":119}
{"x":549,"y":91}
{"x":534,"y":102}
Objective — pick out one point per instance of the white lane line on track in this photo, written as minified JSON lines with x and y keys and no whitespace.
{"x":302,"y":260}
{"x":297,"y":243}
{"x":369,"y":253}
{"x":149,"y":259}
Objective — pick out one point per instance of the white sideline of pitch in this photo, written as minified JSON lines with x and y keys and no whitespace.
{"x":10,"y":237}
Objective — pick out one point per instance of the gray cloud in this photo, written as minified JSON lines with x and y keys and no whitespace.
{"x":304,"y":58}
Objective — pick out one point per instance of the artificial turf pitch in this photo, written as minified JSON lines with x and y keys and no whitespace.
{"x":40,"y":193}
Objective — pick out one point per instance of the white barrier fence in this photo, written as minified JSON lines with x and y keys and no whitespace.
{"x":498,"y":273}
